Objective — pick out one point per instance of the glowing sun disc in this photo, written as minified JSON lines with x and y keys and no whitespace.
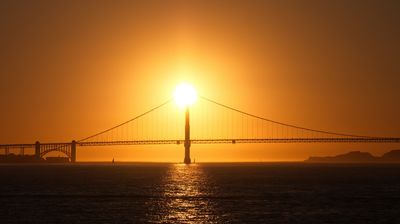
{"x":185,"y":95}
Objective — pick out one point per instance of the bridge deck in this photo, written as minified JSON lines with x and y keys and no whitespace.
{"x":234,"y":141}
{"x":215,"y":141}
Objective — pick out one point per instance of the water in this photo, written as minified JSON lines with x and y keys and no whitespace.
{"x":200,"y":193}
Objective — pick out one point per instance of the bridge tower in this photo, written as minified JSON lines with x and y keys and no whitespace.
{"x":37,"y":150}
{"x":73,"y":151}
{"x":187,"y":137}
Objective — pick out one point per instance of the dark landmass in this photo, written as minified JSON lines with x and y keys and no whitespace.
{"x":12,"y":158}
{"x":350,"y":157}
{"x":57,"y":159}
{"x":393,"y":155}
{"x":358,"y":157}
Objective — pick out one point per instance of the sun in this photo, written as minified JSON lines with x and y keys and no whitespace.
{"x":185,"y":95}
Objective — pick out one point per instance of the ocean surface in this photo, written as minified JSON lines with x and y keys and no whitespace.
{"x":200,"y":193}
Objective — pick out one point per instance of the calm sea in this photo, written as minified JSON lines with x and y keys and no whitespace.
{"x":200,"y":193}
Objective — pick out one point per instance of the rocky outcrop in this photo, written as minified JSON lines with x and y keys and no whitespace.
{"x":358,"y":157}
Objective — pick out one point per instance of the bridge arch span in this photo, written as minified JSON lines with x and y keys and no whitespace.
{"x":63,"y":148}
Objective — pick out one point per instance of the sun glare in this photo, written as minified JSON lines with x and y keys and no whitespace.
{"x":185,"y":95}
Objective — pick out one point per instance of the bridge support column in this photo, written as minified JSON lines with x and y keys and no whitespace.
{"x":73,"y":151}
{"x":37,"y":150}
{"x":187,"y":137}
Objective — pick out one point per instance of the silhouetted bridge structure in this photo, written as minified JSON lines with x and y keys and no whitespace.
{"x":214,"y":123}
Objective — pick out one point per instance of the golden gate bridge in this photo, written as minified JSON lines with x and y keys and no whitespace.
{"x":206,"y":122}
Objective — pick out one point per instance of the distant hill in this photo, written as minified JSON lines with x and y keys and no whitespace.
{"x":12,"y":158}
{"x":358,"y":157}
{"x":391,"y":156}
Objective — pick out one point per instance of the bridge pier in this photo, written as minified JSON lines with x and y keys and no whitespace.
{"x":37,"y":150}
{"x":187,"y":137}
{"x":73,"y":151}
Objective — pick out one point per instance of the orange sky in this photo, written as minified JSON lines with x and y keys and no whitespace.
{"x":72,"y":68}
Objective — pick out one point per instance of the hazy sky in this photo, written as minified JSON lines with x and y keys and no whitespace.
{"x":69,"y":69}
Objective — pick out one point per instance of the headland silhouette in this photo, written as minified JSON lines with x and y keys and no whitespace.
{"x":392,"y":156}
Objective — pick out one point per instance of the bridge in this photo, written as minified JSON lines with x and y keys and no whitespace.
{"x":206,"y":122}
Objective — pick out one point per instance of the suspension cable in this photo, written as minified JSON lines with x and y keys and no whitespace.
{"x":284,"y":124}
{"x":117,"y":126}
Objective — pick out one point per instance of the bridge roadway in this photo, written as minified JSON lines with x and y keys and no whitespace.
{"x":210,"y":141}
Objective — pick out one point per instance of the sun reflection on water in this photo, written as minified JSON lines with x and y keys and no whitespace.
{"x":184,"y":180}
{"x":186,"y":192}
